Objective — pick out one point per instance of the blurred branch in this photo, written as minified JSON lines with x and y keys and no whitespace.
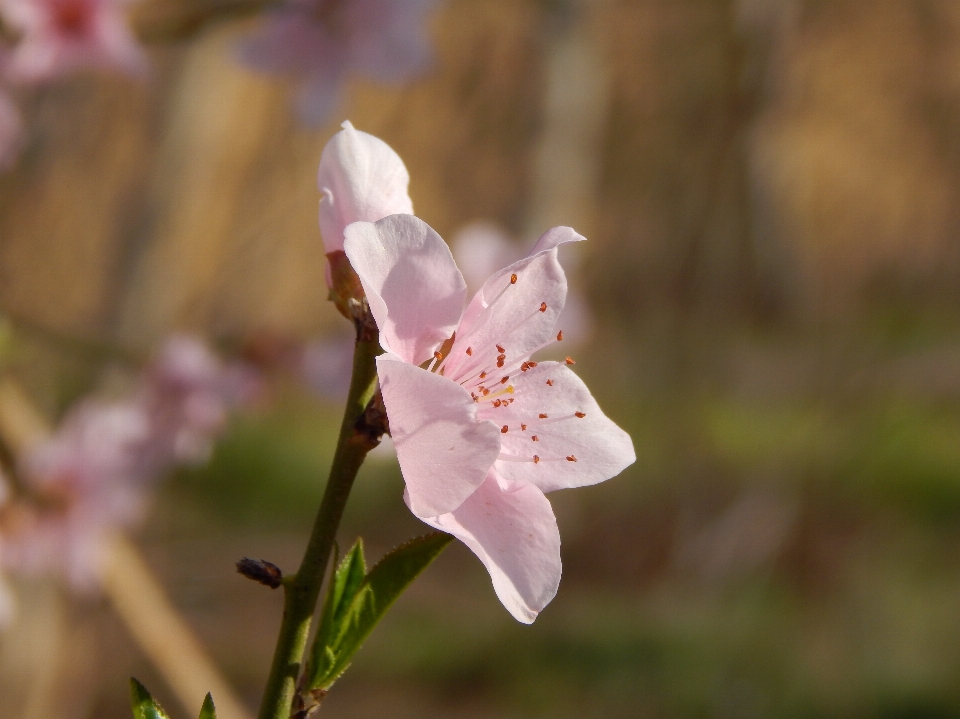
{"x":162,"y":22}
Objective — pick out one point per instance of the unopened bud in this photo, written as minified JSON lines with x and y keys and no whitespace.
{"x":261,"y":571}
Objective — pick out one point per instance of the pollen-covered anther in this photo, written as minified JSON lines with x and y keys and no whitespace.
{"x":500,"y":360}
{"x":569,"y":360}
{"x":560,"y":336}
{"x":542,"y":415}
{"x":485,"y":391}
{"x":500,"y":349}
{"x":438,"y":356}
{"x":543,"y":306}
{"x":525,"y":366}
{"x":581,"y":415}
{"x":571,"y":458}
{"x":523,"y":428}
{"x":497,"y":402}
{"x":483,"y":375}
{"x":550,"y":382}
{"x":536,"y":459}
{"x":503,"y":429}
{"x":535,"y":438}
{"x":469,"y":351}
{"x":513,"y":279}
{"x":504,"y":380}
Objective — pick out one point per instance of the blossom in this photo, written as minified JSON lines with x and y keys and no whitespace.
{"x":360,"y":178}
{"x":481,"y":430}
{"x":320,"y":42}
{"x":60,"y":36}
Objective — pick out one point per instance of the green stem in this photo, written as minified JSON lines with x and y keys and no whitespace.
{"x":302,"y":590}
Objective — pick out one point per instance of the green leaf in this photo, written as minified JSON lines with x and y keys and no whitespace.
{"x":144,"y":706}
{"x":374,"y":596}
{"x":208,"y":711}
{"x":340,"y":592}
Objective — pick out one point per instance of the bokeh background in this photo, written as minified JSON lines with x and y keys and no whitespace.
{"x":770,"y":189}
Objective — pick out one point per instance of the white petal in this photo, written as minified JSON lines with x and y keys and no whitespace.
{"x":444,"y":451}
{"x":512,"y":529}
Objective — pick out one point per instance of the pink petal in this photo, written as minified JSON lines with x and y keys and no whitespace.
{"x":602,"y":450}
{"x":413,"y":285}
{"x":444,"y":451}
{"x":361,"y":179}
{"x":512,"y":529}
{"x":510,"y":315}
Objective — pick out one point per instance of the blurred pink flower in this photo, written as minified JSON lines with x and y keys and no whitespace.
{"x":60,"y":36}
{"x":481,"y":432}
{"x":320,"y":42}
{"x":93,"y":477}
{"x":360,"y":178}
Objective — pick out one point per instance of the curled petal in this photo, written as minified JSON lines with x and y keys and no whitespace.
{"x":513,"y":531}
{"x":602,"y":450}
{"x":415,"y":290}
{"x":444,"y":451}
{"x":360,"y":179}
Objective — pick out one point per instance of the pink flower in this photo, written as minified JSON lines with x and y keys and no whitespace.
{"x":481,"y":430}
{"x":360,"y":178}
{"x":60,"y":36}
{"x":321,"y":42}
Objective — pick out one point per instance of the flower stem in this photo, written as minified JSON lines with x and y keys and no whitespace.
{"x":302,"y":589}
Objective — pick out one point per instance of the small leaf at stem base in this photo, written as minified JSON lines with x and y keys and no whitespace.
{"x":144,"y":706}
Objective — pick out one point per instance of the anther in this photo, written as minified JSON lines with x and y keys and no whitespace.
{"x":525,"y":366}
{"x":581,"y":415}
{"x":483,"y":375}
{"x":469,"y":351}
{"x":504,"y":380}
{"x":543,"y":306}
{"x":497,"y":403}
{"x":542,"y":416}
{"x":536,"y":459}
{"x":438,"y":355}
{"x":560,"y":336}
{"x":500,"y":360}
{"x":503,"y":429}
{"x":500,"y":349}
{"x":485,"y":391}
{"x":523,"y":428}
{"x":531,"y":364}
{"x":569,"y":360}
{"x":571,"y":458}
{"x":550,"y":382}
{"x":513,"y":279}
{"x":535,"y":438}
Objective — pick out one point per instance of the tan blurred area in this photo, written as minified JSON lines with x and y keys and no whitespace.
{"x":770,"y":192}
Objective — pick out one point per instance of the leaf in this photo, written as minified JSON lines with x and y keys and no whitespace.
{"x":346,"y":579}
{"x":144,"y":706}
{"x":370,"y":602}
{"x":208,"y":711}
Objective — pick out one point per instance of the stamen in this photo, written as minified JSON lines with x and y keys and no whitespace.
{"x":569,"y":360}
{"x":500,"y":360}
{"x":497,"y":402}
{"x":485,"y":391}
{"x":523,"y":428}
{"x":504,"y":380}
{"x":500,"y":349}
{"x":542,"y":416}
{"x":469,"y":351}
{"x":503,"y":429}
{"x":560,"y":336}
{"x":543,"y":306}
{"x":535,"y":438}
{"x":536,"y":459}
{"x":550,"y":382}
{"x":483,"y":375}
{"x":581,"y":415}
{"x":571,"y":458}
{"x":513,"y":279}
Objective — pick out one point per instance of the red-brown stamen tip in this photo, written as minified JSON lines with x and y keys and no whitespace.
{"x":504,"y":380}
{"x":543,"y":416}
{"x":543,"y":306}
{"x":523,"y":428}
{"x":497,"y":403}
{"x":569,"y":360}
{"x":536,"y":459}
{"x":500,"y":349}
{"x":500,"y":361}
{"x":535,"y":438}
{"x":469,"y":351}
{"x":560,"y":336}
{"x":485,"y":391}
{"x":550,"y":382}
{"x":482,"y":375}
{"x":503,"y":429}
{"x":571,"y":458}
{"x":531,"y":364}
{"x":438,"y":355}
{"x":581,"y":415}
{"x":513,"y":279}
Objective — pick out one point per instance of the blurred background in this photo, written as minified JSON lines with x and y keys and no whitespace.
{"x":771,"y":297}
